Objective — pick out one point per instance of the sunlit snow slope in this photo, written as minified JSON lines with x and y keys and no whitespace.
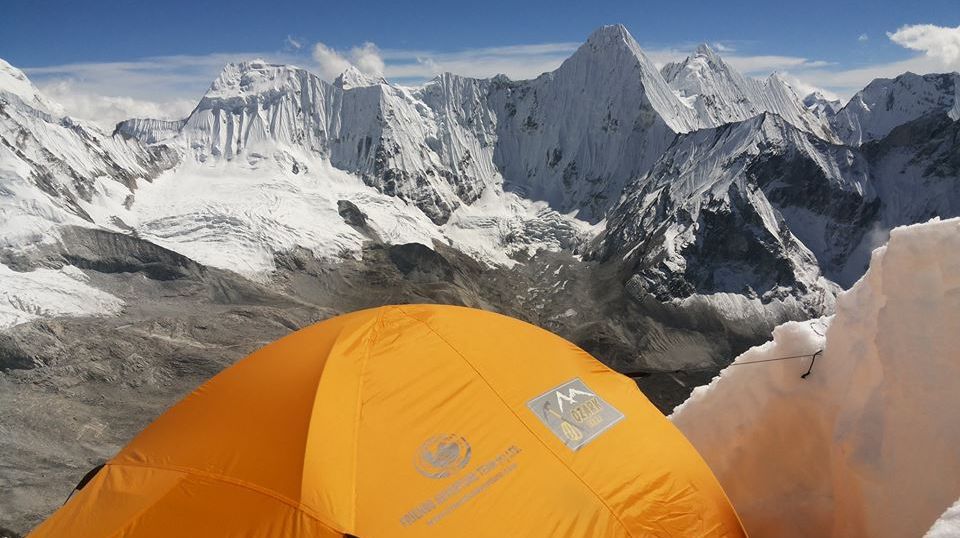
{"x":867,"y":444}
{"x":948,"y":526}
{"x":55,"y":171}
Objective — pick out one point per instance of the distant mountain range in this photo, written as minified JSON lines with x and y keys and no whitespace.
{"x":692,"y":181}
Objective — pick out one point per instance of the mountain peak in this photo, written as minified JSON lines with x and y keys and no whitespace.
{"x":613,"y":43}
{"x":253,"y":77}
{"x":354,"y":78}
{"x":612,"y":58}
{"x":705,"y":51}
{"x":610,"y":32}
{"x":14,"y":81}
{"x":778,"y":77}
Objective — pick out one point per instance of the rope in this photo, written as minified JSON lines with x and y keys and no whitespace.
{"x":813,"y":359}
{"x":778,"y":358}
{"x":813,"y":355}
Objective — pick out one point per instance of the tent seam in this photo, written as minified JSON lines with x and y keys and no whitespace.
{"x":234,"y":482}
{"x":358,"y":409}
{"x":316,"y":396}
{"x":517,"y":416}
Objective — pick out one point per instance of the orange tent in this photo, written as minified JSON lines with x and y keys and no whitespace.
{"x":407,"y":421}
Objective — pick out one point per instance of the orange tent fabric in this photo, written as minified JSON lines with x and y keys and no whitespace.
{"x":417,"y":420}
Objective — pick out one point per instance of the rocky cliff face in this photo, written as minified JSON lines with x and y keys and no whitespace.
{"x":716,"y":213}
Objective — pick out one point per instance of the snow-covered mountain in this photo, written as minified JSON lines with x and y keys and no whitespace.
{"x":384,"y":134}
{"x":720,"y":213}
{"x":821,"y":106}
{"x":416,"y":163}
{"x":54,"y":172}
{"x":721,"y":95}
{"x":273,"y":157}
{"x":571,"y":138}
{"x":575,"y":136}
{"x":53,"y":163}
{"x":886,"y":103}
{"x":765,"y":209}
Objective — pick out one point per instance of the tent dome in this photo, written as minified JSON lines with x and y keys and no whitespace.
{"x":417,"y":420}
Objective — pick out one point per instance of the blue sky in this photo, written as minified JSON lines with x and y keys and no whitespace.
{"x":151,"y":56}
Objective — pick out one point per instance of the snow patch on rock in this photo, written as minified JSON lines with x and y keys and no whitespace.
{"x":25,"y":296}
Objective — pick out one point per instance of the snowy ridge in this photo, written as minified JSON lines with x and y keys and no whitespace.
{"x":13,"y":83}
{"x":149,"y":131}
{"x":887,"y":103}
{"x":353,"y":78}
{"x":832,"y":201}
{"x":58,"y":170}
{"x":721,"y":95}
{"x":948,"y":526}
{"x":822,"y":107}
{"x":385,"y":134}
{"x":715,"y":215}
{"x":841,"y":453}
{"x":55,"y":171}
{"x":575,"y":136}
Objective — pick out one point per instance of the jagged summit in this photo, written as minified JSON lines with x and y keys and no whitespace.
{"x":611,"y":58}
{"x":354,"y":78}
{"x":721,"y":94}
{"x":613,"y":46}
{"x":254,"y":77}
{"x":610,"y":33}
{"x":614,"y":43}
{"x":821,"y":105}
{"x":704,"y":50}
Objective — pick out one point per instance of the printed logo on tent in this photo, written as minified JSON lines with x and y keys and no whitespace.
{"x":442,"y":455}
{"x":574,"y":413}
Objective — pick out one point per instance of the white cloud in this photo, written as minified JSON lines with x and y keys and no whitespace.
{"x":803,"y":88}
{"x":940,"y":42}
{"x":863,"y":37}
{"x":941,"y":53}
{"x":367,"y":59}
{"x":766,"y":64}
{"x":166,"y":87}
{"x":292,"y":43}
{"x":106,"y":111}
{"x":330,"y":63}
